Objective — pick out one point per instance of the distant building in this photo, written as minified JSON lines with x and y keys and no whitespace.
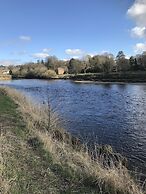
{"x":60,"y":71}
{"x":5,"y":73}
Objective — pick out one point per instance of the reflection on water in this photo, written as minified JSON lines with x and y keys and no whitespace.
{"x":112,"y":114}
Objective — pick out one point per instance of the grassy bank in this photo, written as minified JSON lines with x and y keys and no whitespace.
{"x":139,"y":76}
{"x":132,"y":77}
{"x":40,"y":157}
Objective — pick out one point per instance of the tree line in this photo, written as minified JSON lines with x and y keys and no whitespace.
{"x":105,"y":63}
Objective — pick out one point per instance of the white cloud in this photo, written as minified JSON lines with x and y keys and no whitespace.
{"x":9,"y":62}
{"x":92,"y":54}
{"x":107,"y":53}
{"x":65,"y":59}
{"x":43,"y":54}
{"x":139,"y":32}
{"x":138,"y":12}
{"x":80,"y":54}
{"x":76,"y":57}
{"x":46,"y":50}
{"x":25,"y":38}
{"x":104,"y":52}
{"x":140,"y":47}
{"x":40,"y":55}
{"x":74,"y":52}
{"x":15,"y":41}
{"x":127,"y":56}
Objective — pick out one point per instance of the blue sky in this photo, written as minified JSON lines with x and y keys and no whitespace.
{"x":35,"y":29}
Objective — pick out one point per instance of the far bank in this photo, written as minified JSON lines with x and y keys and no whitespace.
{"x":126,"y":77}
{"x":111,"y":77}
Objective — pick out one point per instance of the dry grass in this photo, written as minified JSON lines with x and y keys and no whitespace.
{"x":76,"y":163}
{"x":4,"y":183}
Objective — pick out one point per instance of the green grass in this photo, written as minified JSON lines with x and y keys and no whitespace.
{"x":7,"y":106}
{"x":24,"y":169}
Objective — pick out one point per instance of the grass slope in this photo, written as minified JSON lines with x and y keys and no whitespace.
{"x":27,"y":167}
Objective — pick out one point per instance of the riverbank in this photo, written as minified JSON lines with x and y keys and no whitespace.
{"x":40,"y":157}
{"x":130,"y":77}
{"x":116,"y":77}
{"x":5,"y":77}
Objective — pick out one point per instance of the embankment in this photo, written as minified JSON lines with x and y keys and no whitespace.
{"x":38,"y":156}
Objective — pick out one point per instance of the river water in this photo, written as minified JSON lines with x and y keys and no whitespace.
{"x":113,"y":114}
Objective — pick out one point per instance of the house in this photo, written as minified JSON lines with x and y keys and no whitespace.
{"x":5,"y":73}
{"x":60,"y":71}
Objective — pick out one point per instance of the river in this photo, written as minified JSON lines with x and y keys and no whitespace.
{"x":102,"y":113}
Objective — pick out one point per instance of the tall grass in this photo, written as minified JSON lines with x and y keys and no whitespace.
{"x":75,"y":159}
{"x":4,"y":184}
